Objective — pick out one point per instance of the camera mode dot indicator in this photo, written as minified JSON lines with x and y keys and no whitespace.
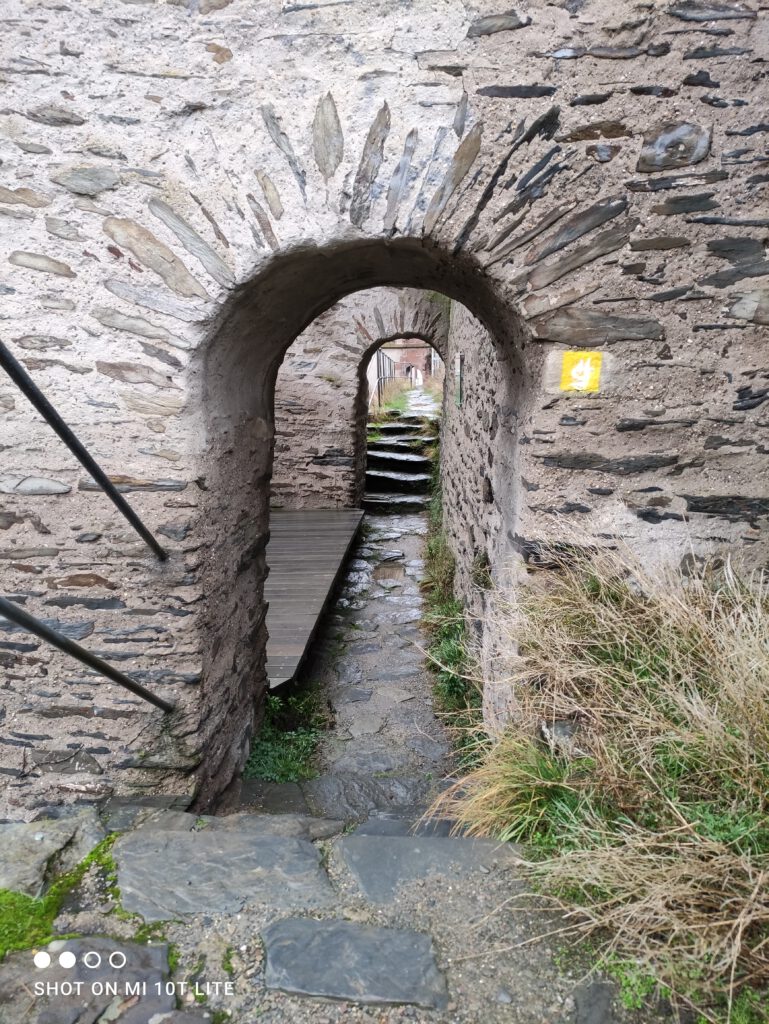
{"x":67,"y":959}
{"x":42,"y":959}
{"x":92,"y":959}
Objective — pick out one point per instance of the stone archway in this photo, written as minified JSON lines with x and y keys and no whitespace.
{"x":149,"y":222}
{"x":239,"y":369}
{"x":319,"y":419}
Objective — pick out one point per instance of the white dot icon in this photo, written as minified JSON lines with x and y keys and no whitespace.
{"x":67,"y":959}
{"x":42,"y":960}
{"x":92,"y":959}
{"x":117,"y":959}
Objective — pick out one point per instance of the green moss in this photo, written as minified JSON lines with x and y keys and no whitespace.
{"x":26,"y":923}
{"x":227,"y":965}
{"x":173,"y":957}
{"x":154,"y":931}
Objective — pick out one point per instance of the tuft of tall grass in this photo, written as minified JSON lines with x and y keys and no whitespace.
{"x":638,"y":766}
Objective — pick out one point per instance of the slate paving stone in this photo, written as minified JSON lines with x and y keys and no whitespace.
{"x":355,"y":694}
{"x":273,"y":797}
{"x":353,"y":796}
{"x":587,"y":326}
{"x":370,"y":760}
{"x":686,"y":204}
{"x":163,"y":875}
{"x":173,"y":821}
{"x":122,"y":813}
{"x":491,"y":23}
{"x":703,"y":10}
{"x":381,"y":825}
{"x":343,"y":960}
{"x":143,"y":964}
{"x":381,"y":864}
{"x":365,"y":722}
{"x":299,"y":826}
{"x":368,"y":168}
{"x":26,"y":848}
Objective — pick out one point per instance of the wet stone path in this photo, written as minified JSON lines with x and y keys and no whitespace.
{"x":387,"y":749}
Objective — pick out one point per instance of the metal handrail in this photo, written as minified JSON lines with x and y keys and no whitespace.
{"x":30,"y":624}
{"x":22,"y":379}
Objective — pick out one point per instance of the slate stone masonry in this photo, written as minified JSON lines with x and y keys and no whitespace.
{"x":175,"y":218}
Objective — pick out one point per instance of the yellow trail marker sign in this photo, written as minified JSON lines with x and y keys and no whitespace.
{"x":581,"y":371}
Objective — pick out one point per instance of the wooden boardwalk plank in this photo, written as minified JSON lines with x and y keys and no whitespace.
{"x":306,"y":555}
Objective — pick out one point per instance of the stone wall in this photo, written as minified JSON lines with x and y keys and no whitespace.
{"x":321,"y":398}
{"x":185,"y":187}
{"x":473,"y":433}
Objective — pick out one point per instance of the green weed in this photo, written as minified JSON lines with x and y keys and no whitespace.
{"x":285,"y":748}
{"x":26,"y":923}
{"x":227,"y":965}
{"x":636,"y":985}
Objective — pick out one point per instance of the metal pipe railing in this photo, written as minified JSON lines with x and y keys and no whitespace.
{"x":30,"y":624}
{"x":22,"y":379}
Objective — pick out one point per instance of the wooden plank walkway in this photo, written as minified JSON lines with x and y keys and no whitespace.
{"x":306,"y":555}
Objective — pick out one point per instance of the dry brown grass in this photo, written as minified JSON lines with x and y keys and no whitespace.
{"x":638,"y":766}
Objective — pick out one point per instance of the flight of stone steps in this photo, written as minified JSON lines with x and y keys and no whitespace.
{"x":399,"y":464}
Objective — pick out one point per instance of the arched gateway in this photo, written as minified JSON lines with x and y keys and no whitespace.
{"x":178,"y":220}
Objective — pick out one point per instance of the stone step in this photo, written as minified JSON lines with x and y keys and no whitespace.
{"x":415,"y":417}
{"x":391,"y":481}
{"x":166,"y":874}
{"x":354,"y":962}
{"x":404,"y":443}
{"x":395,"y":415}
{"x":319,"y":805}
{"x":380,"y":864}
{"x":384,"y":824}
{"x":393,"y":429}
{"x":384,"y":504}
{"x":411,"y":461}
{"x":354,"y":796}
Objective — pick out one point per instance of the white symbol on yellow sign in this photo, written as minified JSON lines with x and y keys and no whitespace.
{"x":581,"y":371}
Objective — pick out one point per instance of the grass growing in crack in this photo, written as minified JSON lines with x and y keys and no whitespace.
{"x":638,"y":766}
{"x":284,"y":750}
{"x":151,"y":931}
{"x":456,"y":693}
{"x":26,"y":922}
{"x":227,"y":965}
